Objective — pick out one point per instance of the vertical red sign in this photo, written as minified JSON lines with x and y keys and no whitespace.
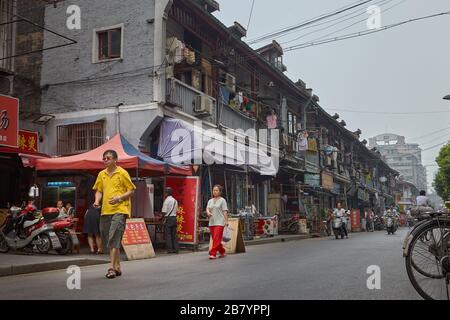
{"x":9,"y":121}
{"x":186,"y":192}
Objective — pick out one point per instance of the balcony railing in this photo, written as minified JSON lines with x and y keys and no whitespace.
{"x":183,"y":96}
{"x":235,"y":119}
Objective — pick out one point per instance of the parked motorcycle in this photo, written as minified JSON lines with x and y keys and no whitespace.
{"x":378,"y":223}
{"x":290,"y":225}
{"x":23,"y":231}
{"x":62,"y":225}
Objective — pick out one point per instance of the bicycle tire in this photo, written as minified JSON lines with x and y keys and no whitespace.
{"x":409,"y":265}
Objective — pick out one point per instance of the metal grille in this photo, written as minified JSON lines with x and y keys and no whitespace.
{"x":6,"y":34}
{"x":79,"y":138}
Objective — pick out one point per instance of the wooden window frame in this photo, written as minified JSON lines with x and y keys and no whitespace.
{"x":98,"y":41}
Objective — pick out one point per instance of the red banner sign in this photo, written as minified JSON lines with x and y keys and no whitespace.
{"x":9,"y":121}
{"x":186,"y":192}
{"x":135,"y":233}
{"x":28,"y":141}
{"x":355,"y":217}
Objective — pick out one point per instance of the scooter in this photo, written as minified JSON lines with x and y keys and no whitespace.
{"x":63,"y":229}
{"x":391,"y":225}
{"x":23,"y":231}
{"x":338,"y":228}
{"x":290,"y":225}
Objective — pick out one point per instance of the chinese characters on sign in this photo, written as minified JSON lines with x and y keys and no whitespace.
{"x":135,"y":233}
{"x":186,"y":192}
{"x":9,"y":123}
{"x":28,"y":141}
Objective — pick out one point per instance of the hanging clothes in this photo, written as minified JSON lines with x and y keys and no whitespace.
{"x":302,"y":141}
{"x":272,"y":121}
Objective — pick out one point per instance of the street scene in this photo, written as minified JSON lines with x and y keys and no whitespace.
{"x":153,"y":145}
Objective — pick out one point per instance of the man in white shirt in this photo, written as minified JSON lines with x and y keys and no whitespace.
{"x":170,"y":209}
{"x":340,"y":213}
{"x":422,"y":199}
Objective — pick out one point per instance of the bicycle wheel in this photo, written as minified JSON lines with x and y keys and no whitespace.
{"x":423,"y":262}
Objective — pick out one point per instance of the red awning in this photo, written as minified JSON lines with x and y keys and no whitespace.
{"x":129,"y":158}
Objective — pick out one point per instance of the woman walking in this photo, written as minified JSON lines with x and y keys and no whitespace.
{"x":217,"y":212}
{"x":91,"y":227}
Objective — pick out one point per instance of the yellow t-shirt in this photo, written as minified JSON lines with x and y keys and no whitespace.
{"x":115,"y":185}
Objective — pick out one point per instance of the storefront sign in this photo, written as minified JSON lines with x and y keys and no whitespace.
{"x":60,"y":184}
{"x":28,"y":141}
{"x":186,"y":192}
{"x":355,"y":217}
{"x":336,"y":188}
{"x":136,"y":240}
{"x":9,"y":121}
{"x":327,"y":181}
{"x":312,"y":179}
{"x":135,"y":233}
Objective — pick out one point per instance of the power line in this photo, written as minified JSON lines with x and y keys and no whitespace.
{"x":434,"y":140}
{"x":355,"y":23}
{"x":251,"y":13}
{"x":429,"y":134}
{"x":389,"y":113}
{"x":361,"y":33}
{"x":380,"y":3}
{"x":306,"y":23}
{"x":437,"y":145}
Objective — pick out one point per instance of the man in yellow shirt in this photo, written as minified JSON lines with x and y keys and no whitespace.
{"x":114,"y":189}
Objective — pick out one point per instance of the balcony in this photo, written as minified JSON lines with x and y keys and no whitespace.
{"x":183,"y":96}
{"x":235,"y":119}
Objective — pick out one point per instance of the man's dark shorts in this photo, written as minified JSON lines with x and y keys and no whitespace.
{"x":112,"y":228}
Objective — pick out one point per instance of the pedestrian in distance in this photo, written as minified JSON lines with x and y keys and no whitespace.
{"x":217,"y":211}
{"x":113,"y":190}
{"x":91,"y":227}
{"x":70,"y":210}
{"x":170,"y":209}
{"x":60,"y":206}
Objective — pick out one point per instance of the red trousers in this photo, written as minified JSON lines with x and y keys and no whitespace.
{"x":216,"y":235}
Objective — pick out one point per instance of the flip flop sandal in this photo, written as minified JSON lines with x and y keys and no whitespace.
{"x":118,"y":273}
{"x":111,"y":273}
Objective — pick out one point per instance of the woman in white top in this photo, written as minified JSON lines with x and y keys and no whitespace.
{"x":217,"y":212}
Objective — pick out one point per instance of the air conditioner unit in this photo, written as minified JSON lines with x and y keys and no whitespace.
{"x":203,"y":104}
{"x":230,"y":82}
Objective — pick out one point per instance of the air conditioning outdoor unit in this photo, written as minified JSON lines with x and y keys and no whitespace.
{"x":203,"y":104}
{"x":230,"y":82}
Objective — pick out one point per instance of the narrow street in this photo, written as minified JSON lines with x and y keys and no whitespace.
{"x":320,"y":268}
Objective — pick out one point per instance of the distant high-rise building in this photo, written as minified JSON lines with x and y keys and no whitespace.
{"x":404,"y":157}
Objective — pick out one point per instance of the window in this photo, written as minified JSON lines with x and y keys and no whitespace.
{"x":79,"y":138}
{"x":108,"y":44}
{"x":292,"y":123}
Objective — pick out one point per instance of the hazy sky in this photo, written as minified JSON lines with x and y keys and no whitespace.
{"x":404,"y":69}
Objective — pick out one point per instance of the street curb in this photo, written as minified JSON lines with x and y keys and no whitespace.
{"x":47,"y":266}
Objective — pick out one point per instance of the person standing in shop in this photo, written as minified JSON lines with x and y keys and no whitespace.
{"x":170,"y":209}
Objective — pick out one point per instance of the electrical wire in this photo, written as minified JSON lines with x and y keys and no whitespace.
{"x":355,"y":23}
{"x":390,"y":113}
{"x":279,"y":33}
{"x":251,"y":13}
{"x":380,"y":3}
{"x":361,"y":33}
{"x":431,"y":133}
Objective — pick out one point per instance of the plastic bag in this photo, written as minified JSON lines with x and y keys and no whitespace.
{"x":226,"y":237}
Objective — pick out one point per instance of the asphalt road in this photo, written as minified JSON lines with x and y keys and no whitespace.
{"x":321,"y":268}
